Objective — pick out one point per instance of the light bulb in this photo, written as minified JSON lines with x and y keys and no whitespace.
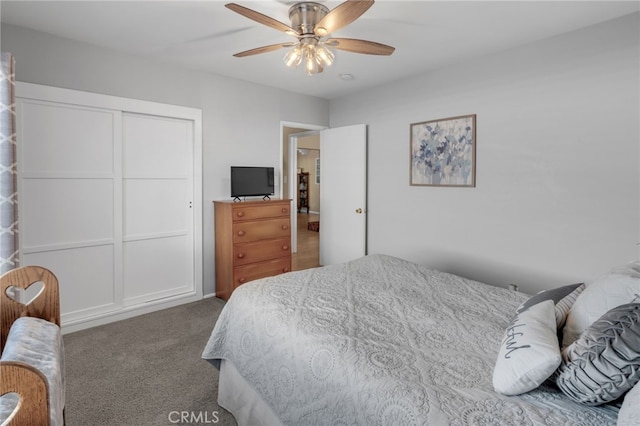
{"x":293,"y":57}
{"x":324,"y":56}
{"x":310,"y":63}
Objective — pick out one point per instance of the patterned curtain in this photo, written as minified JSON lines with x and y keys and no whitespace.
{"x":8,"y":167}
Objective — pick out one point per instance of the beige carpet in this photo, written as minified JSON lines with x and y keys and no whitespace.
{"x":145,"y":370}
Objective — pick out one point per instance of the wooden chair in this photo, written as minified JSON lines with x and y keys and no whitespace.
{"x":25,"y":380}
{"x":46,"y":305}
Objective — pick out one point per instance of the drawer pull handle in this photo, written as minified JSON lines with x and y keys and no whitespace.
{"x":240,"y":255}
{"x":285,"y":269}
{"x":285,"y":247}
{"x":284,"y":210}
{"x":241,"y":233}
{"x":285,"y":227}
{"x":240,"y":214}
{"x":241,"y":280}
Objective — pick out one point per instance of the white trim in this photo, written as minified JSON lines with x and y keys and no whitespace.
{"x":68,"y":245}
{"x":73,"y":325}
{"x":40,"y":92}
{"x":283,"y":124}
{"x":291,"y":145}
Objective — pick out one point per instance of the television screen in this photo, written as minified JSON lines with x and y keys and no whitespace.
{"x":251,"y":181}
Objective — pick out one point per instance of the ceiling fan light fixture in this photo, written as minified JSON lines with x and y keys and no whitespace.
{"x":316,"y":56}
{"x":312,"y":23}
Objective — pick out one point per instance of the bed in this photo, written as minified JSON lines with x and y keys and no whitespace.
{"x":376,"y":341}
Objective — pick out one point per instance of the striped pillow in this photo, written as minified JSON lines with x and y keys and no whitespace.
{"x":562,"y":297}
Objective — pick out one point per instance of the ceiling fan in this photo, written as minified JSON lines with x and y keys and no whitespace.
{"x":312,"y":23}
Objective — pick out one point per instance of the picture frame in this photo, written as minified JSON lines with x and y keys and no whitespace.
{"x":443,"y":152}
{"x":318,"y":171}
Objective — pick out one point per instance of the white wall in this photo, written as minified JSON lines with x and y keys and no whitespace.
{"x":558,"y":178}
{"x":241,"y":121}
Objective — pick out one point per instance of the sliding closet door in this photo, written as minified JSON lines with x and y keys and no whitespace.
{"x":110,"y":192}
{"x":158,"y":207}
{"x":68,"y":184}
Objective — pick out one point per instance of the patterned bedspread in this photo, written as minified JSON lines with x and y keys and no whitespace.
{"x":381,"y":341}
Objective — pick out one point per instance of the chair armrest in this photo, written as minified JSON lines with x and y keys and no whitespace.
{"x":31,"y":386}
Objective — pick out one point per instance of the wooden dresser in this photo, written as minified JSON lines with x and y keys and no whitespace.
{"x":253,"y":240}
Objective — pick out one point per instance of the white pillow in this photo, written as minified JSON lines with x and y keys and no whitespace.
{"x":629,"y":414}
{"x":529,"y":352}
{"x":619,"y":287}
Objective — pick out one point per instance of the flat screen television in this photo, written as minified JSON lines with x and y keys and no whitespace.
{"x":247,"y":181}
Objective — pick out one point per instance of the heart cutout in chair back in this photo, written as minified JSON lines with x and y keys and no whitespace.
{"x":25,"y":295}
{"x":9,"y":406}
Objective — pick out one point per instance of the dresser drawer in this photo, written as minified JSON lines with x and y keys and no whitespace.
{"x":259,"y":251}
{"x":261,"y":230}
{"x":260,"y":211}
{"x":246,"y":273}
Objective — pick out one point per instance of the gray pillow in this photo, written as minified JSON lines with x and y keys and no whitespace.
{"x":604,"y":362}
{"x":563,"y":298}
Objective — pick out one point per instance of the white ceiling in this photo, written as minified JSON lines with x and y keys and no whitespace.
{"x":203,"y":35}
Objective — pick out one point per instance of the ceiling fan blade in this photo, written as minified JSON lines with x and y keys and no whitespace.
{"x":360,"y":46}
{"x":260,"y":18}
{"x":341,"y":16}
{"x":263,"y":49}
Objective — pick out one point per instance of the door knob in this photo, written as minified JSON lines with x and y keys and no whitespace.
{"x":359,"y":211}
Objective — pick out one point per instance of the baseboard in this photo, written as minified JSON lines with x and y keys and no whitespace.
{"x":128,"y":312}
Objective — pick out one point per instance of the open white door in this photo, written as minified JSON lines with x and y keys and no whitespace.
{"x":343,"y":194}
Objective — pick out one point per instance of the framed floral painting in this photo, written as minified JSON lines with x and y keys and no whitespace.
{"x":443,"y":152}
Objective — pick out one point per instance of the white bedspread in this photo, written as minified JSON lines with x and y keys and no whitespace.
{"x":381,"y":341}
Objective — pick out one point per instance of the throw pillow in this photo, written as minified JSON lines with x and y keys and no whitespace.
{"x":617,"y":288}
{"x":629,"y":414}
{"x":604,"y":362}
{"x":563,"y":298}
{"x":529,"y":352}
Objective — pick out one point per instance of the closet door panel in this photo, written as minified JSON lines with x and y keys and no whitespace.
{"x":155,"y":207}
{"x":68,"y":209}
{"x":66,"y":140}
{"x":61,"y":213}
{"x":156,"y":268}
{"x":157,"y":146}
{"x":85,"y":276}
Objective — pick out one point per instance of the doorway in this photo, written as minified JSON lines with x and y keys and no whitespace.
{"x":343,"y":193}
{"x":300,"y":153}
{"x":308,"y":202}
